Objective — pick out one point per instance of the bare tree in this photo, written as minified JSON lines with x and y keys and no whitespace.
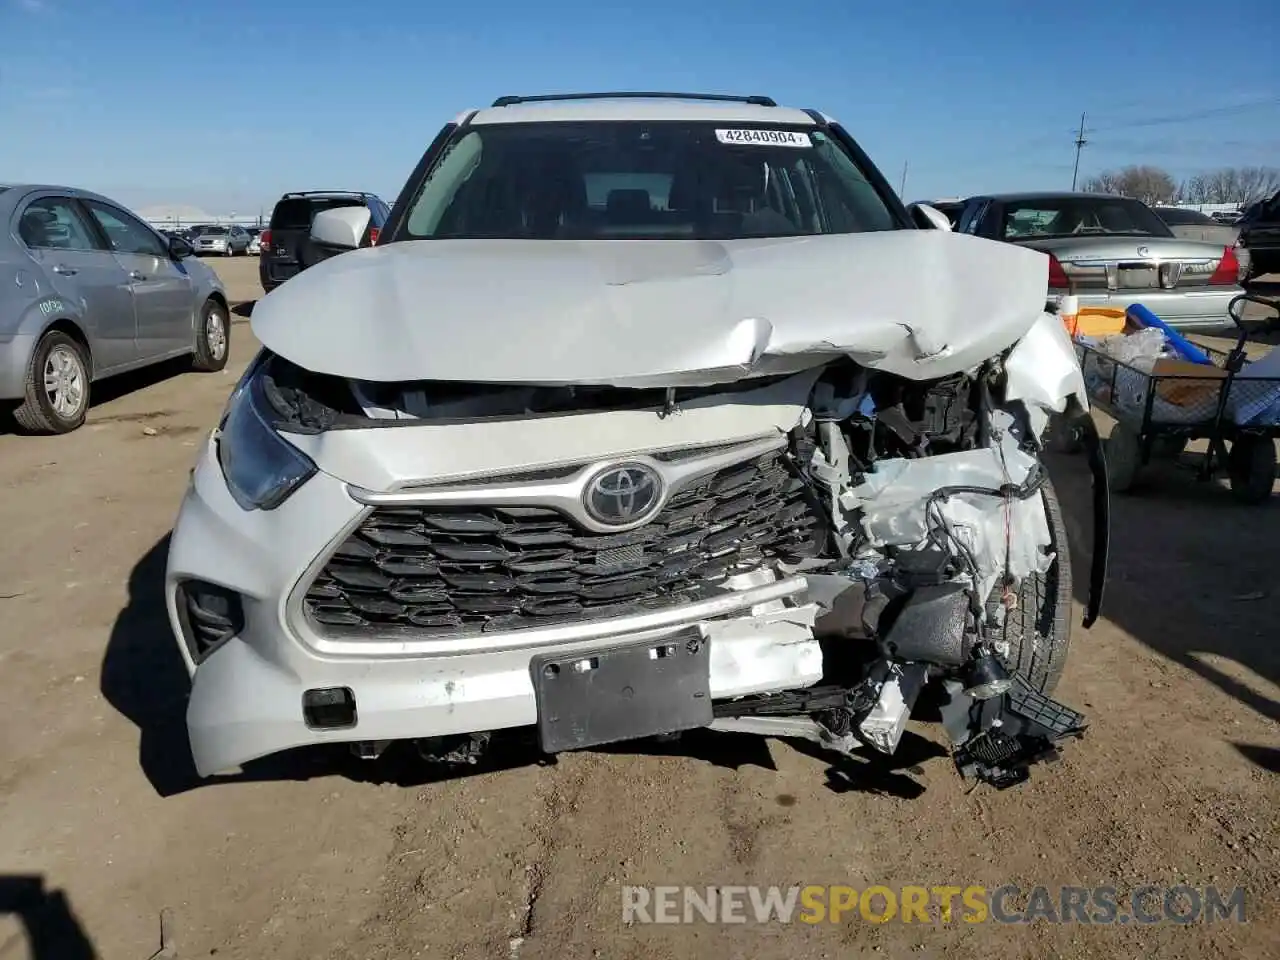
{"x":1196,"y":190}
{"x":1105,"y":182}
{"x":1151,"y":185}
{"x":1239,"y":185}
{"x":1258,"y":183}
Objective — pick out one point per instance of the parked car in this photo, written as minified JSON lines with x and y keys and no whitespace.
{"x":226,"y":241}
{"x":1114,"y":251}
{"x":1226,"y":216}
{"x":286,"y":248}
{"x":1194,"y":225}
{"x":1260,"y":235}
{"x":89,"y":290}
{"x":502,"y":470}
{"x":255,"y":240}
{"x":952,"y":208}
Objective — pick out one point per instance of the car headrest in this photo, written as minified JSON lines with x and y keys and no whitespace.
{"x":35,"y":225}
{"x":628,"y":203}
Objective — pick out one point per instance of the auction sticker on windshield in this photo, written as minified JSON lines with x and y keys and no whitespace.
{"x":765,"y":138}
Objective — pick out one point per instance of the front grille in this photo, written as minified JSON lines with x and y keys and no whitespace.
{"x":466,"y":570}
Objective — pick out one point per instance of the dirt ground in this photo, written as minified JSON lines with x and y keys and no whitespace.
{"x":105,"y":832}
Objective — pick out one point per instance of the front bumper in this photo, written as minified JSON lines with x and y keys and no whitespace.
{"x":246,"y":697}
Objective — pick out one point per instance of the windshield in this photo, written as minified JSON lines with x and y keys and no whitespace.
{"x":643,"y":181}
{"x":214,"y":231}
{"x":1037,"y":219}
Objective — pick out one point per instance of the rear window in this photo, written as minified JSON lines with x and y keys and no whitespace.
{"x":1037,"y":219}
{"x":298,"y":212}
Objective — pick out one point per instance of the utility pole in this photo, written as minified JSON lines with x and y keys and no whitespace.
{"x":902,"y":190}
{"x":1081,"y":142}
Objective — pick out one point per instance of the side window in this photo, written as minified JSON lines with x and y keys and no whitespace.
{"x":54,"y":223}
{"x":126,"y":234}
{"x":972,"y":217}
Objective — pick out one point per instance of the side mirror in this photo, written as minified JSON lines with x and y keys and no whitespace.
{"x":341,"y":228}
{"x":928,"y":217}
{"x":180,"y":249}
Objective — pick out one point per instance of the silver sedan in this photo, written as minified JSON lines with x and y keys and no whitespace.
{"x":1113,"y":252}
{"x":88,"y":290}
{"x":223,"y":241}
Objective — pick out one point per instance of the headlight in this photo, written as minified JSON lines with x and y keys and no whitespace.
{"x":261,"y":468}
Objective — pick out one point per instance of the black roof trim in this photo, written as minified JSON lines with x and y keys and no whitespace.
{"x":327,"y":193}
{"x":759,"y":101}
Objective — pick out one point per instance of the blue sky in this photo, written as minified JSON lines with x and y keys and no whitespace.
{"x":227,"y":103}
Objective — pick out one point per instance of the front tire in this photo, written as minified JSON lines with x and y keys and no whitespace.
{"x":213,"y":338}
{"x":1036,"y":633}
{"x":56,"y":398}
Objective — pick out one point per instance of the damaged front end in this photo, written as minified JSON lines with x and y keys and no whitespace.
{"x":948,"y":566}
{"x":908,"y":530}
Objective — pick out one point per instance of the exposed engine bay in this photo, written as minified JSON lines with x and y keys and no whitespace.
{"x":932,"y":544}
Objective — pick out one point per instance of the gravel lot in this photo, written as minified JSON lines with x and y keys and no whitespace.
{"x":317,"y":856}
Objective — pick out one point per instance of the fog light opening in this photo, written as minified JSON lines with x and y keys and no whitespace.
{"x":329,"y":708}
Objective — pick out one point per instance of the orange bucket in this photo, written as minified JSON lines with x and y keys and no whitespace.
{"x":1095,"y":322}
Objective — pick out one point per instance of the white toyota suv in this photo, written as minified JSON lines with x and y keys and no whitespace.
{"x":648,"y":412}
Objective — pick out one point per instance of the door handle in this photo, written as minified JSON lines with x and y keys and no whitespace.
{"x":63,"y":269}
{"x":135,"y":275}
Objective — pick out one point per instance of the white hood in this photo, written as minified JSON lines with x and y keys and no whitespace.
{"x":918,"y":303}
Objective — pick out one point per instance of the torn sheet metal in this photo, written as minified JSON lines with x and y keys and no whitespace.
{"x":1042,"y":371}
{"x":917,"y":303}
{"x":891,"y":504}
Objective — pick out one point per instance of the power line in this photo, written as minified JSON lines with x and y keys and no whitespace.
{"x":1204,"y":114}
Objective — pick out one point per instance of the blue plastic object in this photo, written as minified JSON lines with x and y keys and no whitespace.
{"x":1184,"y":347}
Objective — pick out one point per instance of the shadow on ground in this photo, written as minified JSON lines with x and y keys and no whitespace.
{"x":113,"y":388}
{"x":144,"y":678}
{"x":1192,"y":575}
{"x":243,"y":309}
{"x":50,"y":927}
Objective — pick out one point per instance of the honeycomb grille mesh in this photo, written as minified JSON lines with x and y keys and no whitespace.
{"x":459,"y":570}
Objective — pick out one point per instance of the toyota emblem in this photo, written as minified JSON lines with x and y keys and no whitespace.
{"x":623,"y":494}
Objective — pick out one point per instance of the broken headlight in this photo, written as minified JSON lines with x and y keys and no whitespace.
{"x":261,"y":468}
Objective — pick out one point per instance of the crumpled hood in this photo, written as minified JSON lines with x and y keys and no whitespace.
{"x":918,"y":303}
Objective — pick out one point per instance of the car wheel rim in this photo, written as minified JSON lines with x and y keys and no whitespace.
{"x":64,"y":382}
{"x":216,"y":334}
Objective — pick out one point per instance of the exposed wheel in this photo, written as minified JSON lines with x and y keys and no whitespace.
{"x":213,"y":338}
{"x":1251,"y":466}
{"x":1060,"y":437}
{"x":56,"y":398}
{"x":1035,"y":636}
{"x":1123,"y":451}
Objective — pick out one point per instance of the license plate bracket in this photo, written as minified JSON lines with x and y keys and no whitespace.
{"x":623,"y":692}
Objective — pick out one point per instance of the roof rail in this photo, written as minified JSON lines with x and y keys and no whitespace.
{"x":636,"y":95}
